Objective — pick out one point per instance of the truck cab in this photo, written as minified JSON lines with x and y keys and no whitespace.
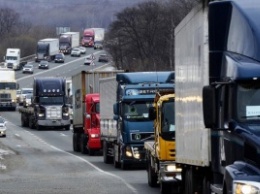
{"x":13,"y":58}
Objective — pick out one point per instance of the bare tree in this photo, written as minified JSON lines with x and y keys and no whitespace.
{"x":8,"y":20}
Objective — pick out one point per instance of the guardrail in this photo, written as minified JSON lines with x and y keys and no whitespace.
{"x":27,"y":58}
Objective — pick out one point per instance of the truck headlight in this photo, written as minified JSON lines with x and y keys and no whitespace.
{"x":94,"y":135}
{"x":172,"y":168}
{"x":246,"y":187}
{"x":128,"y":151}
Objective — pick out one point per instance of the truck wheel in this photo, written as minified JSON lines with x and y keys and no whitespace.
{"x":67,"y":128}
{"x":106,"y":157}
{"x":23,"y":123}
{"x":165,"y":188}
{"x":83,"y":144}
{"x":206,"y":185}
{"x":31,"y":124}
{"x":151,"y":175}
{"x":76,"y":142}
{"x":189,"y":182}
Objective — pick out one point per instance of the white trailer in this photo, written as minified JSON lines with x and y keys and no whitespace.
{"x":47,"y":49}
{"x":99,"y":34}
{"x":108,"y":129}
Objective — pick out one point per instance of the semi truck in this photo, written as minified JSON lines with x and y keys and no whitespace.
{"x":8,"y":87}
{"x":217,"y":65}
{"x":88,"y":37}
{"x":160,"y":150}
{"x":47,"y":49}
{"x":13,"y":59}
{"x":125,"y":124}
{"x":68,"y":41}
{"x":48,"y":108}
{"x":86,"y":119}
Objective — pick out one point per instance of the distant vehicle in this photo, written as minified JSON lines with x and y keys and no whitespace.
{"x":13,"y":59}
{"x":18,"y":94}
{"x":24,"y":92}
{"x":68,"y":41}
{"x":59,"y":58}
{"x":2,"y":127}
{"x":28,"y":68}
{"x":47,"y":49}
{"x":75,"y":52}
{"x":104,"y":58}
{"x":98,"y":45}
{"x":89,"y":61}
{"x":43,"y":65}
{"x":83,"y":50}
{"x":27,"y":101}
{"x":88,"y":38}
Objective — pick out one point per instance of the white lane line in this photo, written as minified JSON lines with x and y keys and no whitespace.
{"x":62,"y":134}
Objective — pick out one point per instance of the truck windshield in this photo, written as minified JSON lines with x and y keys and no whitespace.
{"x":97,"y":107}
{"x":51,"y":100}
{"x":11,"y":58}
{"x":168,"y":120}
{"x":136,"y":110}
{"x":248,"y":101}
{"x":8,"y":85}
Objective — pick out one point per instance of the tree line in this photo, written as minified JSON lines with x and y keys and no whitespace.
{"x":141,"y":37}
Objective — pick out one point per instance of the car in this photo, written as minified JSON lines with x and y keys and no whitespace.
{"x":75,"y":52}
{"x":24,"y":91}
{"x":43,"y":65}
{"x":98,"y":45}
{"x":2,"y":127}
{"x":59,"y":58}
{"x":89,"y":60}
{"x":83,"y":50}
{"x":18,"y":93}
{"x":28,"y":68}
{"x":27,"y":101}
{"x":104,"y":58}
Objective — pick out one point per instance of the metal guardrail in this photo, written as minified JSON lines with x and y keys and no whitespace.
{"x":27,"y":58}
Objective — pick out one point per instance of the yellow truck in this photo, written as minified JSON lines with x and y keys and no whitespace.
{"x":160,"y":152}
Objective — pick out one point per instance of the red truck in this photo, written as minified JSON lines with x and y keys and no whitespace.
{"x":88,"y":37}
{"x":86,"y":118}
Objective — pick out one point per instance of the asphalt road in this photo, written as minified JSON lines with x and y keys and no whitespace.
{"x":35,"y":162}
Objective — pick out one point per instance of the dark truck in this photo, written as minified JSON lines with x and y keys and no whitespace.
{"x":48,"y":108}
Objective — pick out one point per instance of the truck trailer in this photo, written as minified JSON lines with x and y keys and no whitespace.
{"x":217,"y":65}
{"x":48,"y":108}
{"x":126,"y":125}
{"x":8,"y":87}
{"x":68,"y":41}
{"x":47,"y":49}
{"x":86,"y":119}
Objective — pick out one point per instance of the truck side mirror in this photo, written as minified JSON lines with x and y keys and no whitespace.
{"x":209,"y":106}
{"x":152,"y":113}
{"x":115,"y":108}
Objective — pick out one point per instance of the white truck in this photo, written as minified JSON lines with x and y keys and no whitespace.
{"x":47,"y":49}
{"x":13,"y":59}
{"x":99,"y":34}
{"x":8,"y":87}
{"x":68,"y":41}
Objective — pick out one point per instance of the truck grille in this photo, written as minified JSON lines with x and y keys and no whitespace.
{"x":5,"y":97}
{"x":9,"y":65}
{"x":140,"y":136}
{"x":53,"y":112}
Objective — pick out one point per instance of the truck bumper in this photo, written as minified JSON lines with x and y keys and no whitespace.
{"x":169,"y":173}
{"x":94,"y":143}
{"x":54,"y":123}
{"x":7,"y":104}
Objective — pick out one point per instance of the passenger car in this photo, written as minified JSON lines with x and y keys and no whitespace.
{"x":104,"y":58}
{"x":28,"y":68}
{"x":43,"y":65}
{"x":59,"y":58}
{"x":27,"y":101}
{"x":98,"y":45}
{"x":75,"y":52}
{"x":89,"y":61}
{"x":2,"y":127}
{"x":24,"y":91}
{"x":83,"y":50}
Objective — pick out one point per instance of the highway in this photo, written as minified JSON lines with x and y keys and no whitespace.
{"x":34,"y":162}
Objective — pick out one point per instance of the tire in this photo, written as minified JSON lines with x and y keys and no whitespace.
{"x":83,"y":144}
{"x":76,"y":142}
{"x":206,"y":185}
{"x":67,"y":128}
{"x":31,"y":124}
{"x":151,"y":175}
{"x":23,"y":123}
{"x":189,"y":182}
{"x":165,"y":188}
{"x":106,"y":159}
